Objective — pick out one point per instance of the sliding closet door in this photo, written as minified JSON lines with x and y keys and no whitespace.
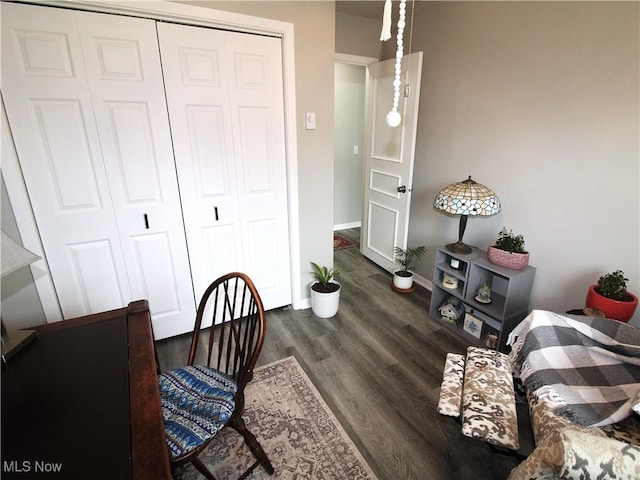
{"x":86,"y":105}
{"x":51,"y":118}
{"x":225,"y":97}
{"x":125,"y":78}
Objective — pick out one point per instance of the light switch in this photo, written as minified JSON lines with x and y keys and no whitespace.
{"x":310,"y":120}
{"x":356,"y":149}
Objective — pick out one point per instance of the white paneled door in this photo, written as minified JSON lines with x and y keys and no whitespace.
{"x":225,"y":97}
{"x":389,"y":154}
{"x":85,"y":101}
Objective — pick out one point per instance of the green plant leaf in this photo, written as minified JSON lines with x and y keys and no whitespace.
{"x":613,"y":285}
{"x":406,"y":257}
{"x":324,"y":274}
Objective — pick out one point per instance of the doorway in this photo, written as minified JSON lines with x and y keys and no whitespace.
{"x":350,"y":91}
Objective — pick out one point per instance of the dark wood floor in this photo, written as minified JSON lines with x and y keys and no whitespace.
{"x":378,"y":365}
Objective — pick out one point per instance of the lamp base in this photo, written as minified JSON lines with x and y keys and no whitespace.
{"x":459,"y":248}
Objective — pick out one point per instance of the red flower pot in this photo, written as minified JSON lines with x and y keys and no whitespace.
{"x":615,"y":309}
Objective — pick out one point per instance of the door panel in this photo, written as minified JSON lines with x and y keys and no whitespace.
{"x":226,"y":110}
{"x":51,"y":116}
{"x":94,"y":266}
{"x":125,"y":79}
{"x":68,"y":156}
{"x":154,"y":259}
{"x":389,"y":156}
{"x":134,"y":155}
{"x":108,"y":206}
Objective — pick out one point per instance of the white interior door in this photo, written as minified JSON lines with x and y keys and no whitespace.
{"x":125,"y":79}
{"x":389,"y":154}
{"x":225,"y":98}
{"x":85,"y":100}
{"x":51,"y":117}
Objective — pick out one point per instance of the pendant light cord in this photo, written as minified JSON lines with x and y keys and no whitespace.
{"x":413,"y":9}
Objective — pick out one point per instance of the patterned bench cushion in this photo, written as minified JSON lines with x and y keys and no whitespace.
{"x":197,"y":401}
{"x":451,"y":388}
{"x":576,"y":454}
{"x":488,"y":403}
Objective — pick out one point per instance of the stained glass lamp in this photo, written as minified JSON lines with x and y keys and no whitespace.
{"x":466,"y":198}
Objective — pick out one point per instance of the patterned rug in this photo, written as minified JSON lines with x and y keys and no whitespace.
{"x":340,"y":242}
{"x":301,"y":436}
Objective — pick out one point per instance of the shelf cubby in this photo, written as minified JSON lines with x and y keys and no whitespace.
{"x":510,"y":292}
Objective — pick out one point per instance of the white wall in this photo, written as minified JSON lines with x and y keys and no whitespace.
{"x":540,"y":102}
{"x":349,"y":133}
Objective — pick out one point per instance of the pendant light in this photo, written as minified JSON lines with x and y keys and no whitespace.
{"x":393,"y":117}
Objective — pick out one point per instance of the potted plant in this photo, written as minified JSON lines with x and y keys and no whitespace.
{"x":611,"y":297}
{"x":406,"y":258}
{"x":325,"y":291}
{"x":508,"y":251}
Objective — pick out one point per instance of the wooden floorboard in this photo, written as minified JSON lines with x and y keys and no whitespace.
{"x":378,"y":365}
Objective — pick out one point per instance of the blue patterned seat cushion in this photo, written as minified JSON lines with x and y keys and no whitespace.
{"x":197,"y":401}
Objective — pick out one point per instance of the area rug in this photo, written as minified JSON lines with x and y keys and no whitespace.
{"x":294,"y":425}
{"x":340,"y":242}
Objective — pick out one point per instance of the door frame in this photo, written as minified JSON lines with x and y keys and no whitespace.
{"x":360,"y":61}
{"x":206,"y":17}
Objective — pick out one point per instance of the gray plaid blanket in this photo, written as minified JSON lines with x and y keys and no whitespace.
{"x":584,"y":368}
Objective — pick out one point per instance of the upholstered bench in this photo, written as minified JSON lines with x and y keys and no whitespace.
{"x":479,"y":388}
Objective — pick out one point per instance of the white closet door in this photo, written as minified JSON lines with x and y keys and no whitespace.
{"x":125,"y":79}
{"x":92,"y":85}
{"x":51,"y":118}
{"x":225,"y":97}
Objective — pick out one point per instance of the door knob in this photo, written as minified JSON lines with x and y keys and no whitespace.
{"x":402,"y":189}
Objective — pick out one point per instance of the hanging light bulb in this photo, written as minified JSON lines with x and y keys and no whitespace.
{"x":393,"y":117}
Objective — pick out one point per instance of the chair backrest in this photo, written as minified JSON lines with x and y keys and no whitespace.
{"x":230,"y":326}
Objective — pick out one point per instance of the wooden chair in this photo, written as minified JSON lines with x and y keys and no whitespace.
{"x":208,"y":394}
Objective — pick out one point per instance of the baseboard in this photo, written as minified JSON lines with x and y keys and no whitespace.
{"x":303,"y":304}
{"x":422,"y":281}
{"x":344,"y":226}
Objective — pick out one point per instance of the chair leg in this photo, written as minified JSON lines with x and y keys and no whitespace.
{"x":201,"y":467}
{"x":253,"y":444}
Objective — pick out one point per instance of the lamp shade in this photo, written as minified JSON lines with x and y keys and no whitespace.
{"x":467,"y":198}
{"x":14,"y":256}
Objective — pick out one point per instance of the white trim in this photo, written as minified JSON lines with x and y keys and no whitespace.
{"x":194,"y":15}
{"x":344,"y":226}
{"x":355,"y":59}
{"x":423,"y":282}
{"x":176,"y":12}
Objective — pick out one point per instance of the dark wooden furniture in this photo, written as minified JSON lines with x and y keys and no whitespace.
{"x":233,"y":305}
{"x":82,"y":401}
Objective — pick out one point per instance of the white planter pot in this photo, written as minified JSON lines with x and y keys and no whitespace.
{"x":325,"y":305}
{"x":401,"y":282}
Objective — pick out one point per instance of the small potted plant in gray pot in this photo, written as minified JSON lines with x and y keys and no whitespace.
{"x":406,"y":258}
{"x":325,"y":291}
{"x":508,"y":251}
{"x":611,"y":297}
